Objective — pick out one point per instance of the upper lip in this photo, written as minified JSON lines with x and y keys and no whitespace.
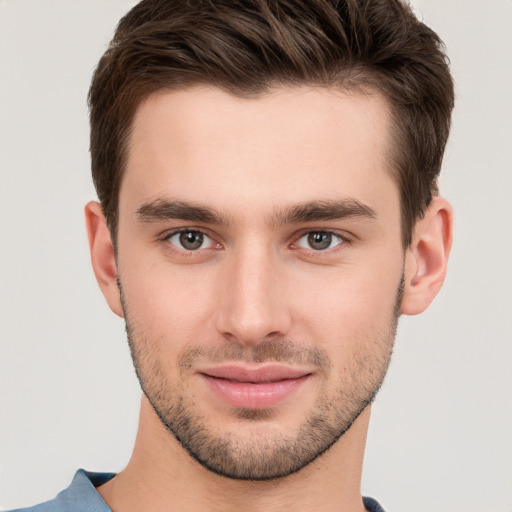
{"x":267,"y":373}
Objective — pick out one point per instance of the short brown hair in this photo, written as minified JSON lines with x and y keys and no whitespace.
{"x":246,"y":47}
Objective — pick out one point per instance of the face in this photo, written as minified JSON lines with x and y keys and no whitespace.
{"x":260,"y":267}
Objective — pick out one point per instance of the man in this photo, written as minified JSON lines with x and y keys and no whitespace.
{"x":268,"y":208}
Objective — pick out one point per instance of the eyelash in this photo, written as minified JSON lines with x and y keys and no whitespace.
{"x":188,"y":252}
{"x":342,"y":238}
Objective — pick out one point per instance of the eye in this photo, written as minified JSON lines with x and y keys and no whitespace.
{"x":319,"y":240}
{"x":190,"y":240}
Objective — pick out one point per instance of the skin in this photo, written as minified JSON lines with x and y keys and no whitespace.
{"x":257,"y":285}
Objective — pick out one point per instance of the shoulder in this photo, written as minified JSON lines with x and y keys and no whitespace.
{"x":80,"y":496}
{"x":372,"y":505}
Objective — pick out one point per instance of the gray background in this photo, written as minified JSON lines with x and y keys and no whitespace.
{"x":441,"y":433}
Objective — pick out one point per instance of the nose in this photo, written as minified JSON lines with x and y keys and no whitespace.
{"x":252,"y":306}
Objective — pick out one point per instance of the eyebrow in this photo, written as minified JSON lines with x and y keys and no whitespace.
{"x":163,"y":209}
{"x":323,"y":210}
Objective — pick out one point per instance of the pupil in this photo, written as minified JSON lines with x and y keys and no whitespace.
{"x":191,"y":240}
{"x":319,"y":241}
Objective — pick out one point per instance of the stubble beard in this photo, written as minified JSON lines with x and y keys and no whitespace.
{"x":277,"y":455}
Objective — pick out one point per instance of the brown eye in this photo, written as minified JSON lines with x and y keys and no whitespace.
{"x":319,"y":240}
{"x":189,"y":240}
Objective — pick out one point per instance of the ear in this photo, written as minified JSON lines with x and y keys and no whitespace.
{"x":427,"y":257}
{"x":102,"y":255}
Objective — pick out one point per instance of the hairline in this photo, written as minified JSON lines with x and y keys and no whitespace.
{"x":343,"y":86}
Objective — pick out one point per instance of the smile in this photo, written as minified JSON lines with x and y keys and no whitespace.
{"x":254,"y":388}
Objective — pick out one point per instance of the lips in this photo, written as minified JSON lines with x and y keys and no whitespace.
{"x":254,"y":388}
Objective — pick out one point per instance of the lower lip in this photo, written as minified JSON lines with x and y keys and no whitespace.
{"x":261,"y":395}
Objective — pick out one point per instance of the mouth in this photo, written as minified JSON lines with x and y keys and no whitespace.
{"x":260,"y":387}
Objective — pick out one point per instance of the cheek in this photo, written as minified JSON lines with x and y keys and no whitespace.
{"x":347,"y":296}
{"x":351,"y":308}
{"x":168,"y":302}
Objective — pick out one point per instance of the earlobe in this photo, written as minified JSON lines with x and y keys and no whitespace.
{"x":427,"y":257}
{"x":102,"y":255}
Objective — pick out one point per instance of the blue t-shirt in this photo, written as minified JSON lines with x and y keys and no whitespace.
{"x":81,"y":496}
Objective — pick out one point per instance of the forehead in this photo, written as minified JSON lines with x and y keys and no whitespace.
{"x":297,"y":144}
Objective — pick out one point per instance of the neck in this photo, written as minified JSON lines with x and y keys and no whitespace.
{"x":161,"y":476}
